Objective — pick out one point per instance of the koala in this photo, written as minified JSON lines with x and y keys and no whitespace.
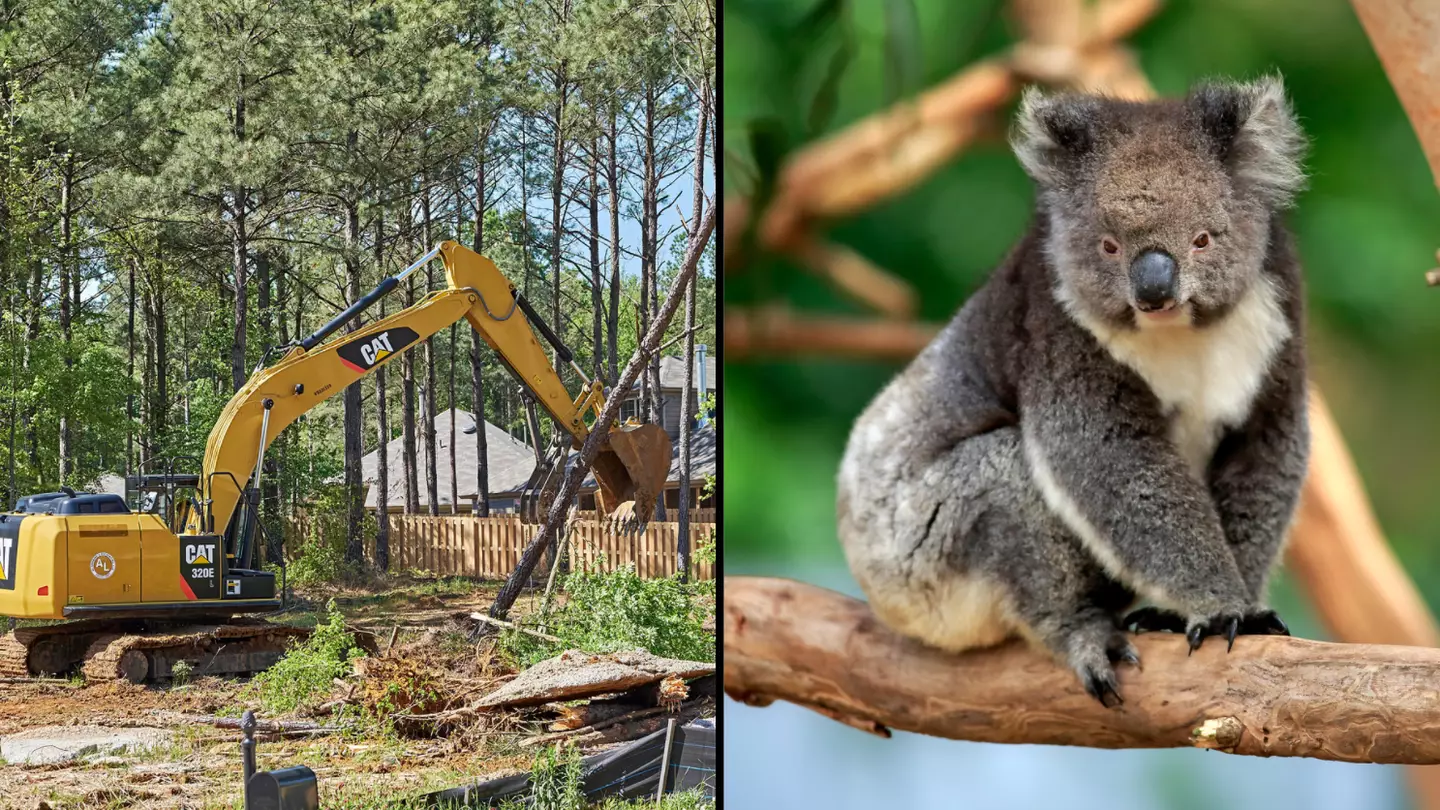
{"x":1118,"y":415}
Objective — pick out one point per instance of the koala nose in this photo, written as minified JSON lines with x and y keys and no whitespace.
{"x":1152,"y":277}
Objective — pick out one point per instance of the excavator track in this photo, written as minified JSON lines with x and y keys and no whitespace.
{"x":146,"y":650}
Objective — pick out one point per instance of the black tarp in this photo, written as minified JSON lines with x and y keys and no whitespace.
{"x":626,"y":772}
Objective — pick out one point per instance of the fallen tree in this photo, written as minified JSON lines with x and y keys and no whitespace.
{"x":1270,"y":696}
{"x":648,"y":348}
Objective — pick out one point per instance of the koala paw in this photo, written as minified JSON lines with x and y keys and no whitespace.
{"x":1251,"y":623}
{"x":1097,"y":672}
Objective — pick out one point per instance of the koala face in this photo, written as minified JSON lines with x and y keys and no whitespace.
{"x":1159,"y":211}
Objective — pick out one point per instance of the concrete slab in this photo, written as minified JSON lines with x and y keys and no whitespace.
{"x":52,"y":744}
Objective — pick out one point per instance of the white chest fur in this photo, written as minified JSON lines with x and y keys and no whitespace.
{"x":1206,"y":379}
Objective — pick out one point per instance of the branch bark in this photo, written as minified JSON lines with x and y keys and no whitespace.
{"x":1270,"y":696}
{"x":779,"y":332}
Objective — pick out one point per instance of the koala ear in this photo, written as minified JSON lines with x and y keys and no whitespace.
{"x":1053,"y":133}
{"x":1253,"y":131}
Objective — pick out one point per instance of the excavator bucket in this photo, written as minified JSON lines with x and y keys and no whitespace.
{"x":631,"y":469}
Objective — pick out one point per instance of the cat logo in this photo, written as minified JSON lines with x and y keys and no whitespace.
{"x":199,"y":554}
{"x":7,"y":547}
{"x":377,"y":349}
{"x":365,"y":353}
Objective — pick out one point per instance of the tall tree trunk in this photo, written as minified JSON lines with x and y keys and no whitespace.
{"x":240,"y":271}
{"x":147,"y":373}
{"x":283,"y":493}
{"x":612,"y":178}
{"x":652,"y":213}
{"x":407,"y":416}
{"x":8,"y":282}
{"x":454,"y":349}
{"x":32,"y":336}
{"x":557,"y":225}
{"x":240,"y":249}
{"x":262,"y":298}
{"x":525,"y":203}
{"x":67,"y":269}
{"x":477,"y":368}
{"x":185,"y":366}
{"x":13,"y":415}
{"x":354,"y":449}
{"x":130,"y":373}
{"x":648,"y":395}
{"x":687,"y":395}
{"x":432,"y":488}
{"x":382,"y":424}
{"x":162,"y":362}
{"x":269,"y":511}
{"x":597,"y":299}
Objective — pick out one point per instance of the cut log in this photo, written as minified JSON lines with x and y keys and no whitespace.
{"x":573,"y":717}
{"x":573,"y":675}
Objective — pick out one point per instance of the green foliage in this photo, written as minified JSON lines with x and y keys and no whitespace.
{"x":557,"y":783}
{"x":308,"y":668}
{"x":321,"y":558}
{"x":555,"y":780}
{"x":180,"y":673}
{"x":689,"y":800}
{"x":620,"y":610}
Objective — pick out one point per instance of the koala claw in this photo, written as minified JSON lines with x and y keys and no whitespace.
{"x":1102,"y":686}
{"x":1257,"y":623}
{"x":1227,"y":624}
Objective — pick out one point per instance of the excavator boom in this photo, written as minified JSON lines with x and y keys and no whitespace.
{"x":630,"y":471}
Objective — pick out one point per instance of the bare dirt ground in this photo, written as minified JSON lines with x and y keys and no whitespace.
{"x":201,"y":767}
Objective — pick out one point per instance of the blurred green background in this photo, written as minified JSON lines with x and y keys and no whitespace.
{"x":1368,"y":227}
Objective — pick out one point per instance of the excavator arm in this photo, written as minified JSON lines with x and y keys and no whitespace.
{"x":631,"y":470}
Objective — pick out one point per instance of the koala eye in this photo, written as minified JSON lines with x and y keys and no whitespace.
{"x":1201,"y":241}
{"x":1109,"y":246}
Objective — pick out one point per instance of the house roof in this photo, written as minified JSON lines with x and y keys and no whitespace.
{"x":509,"y":459}
{"x":702,"y":463}
{"x":672,"y":372}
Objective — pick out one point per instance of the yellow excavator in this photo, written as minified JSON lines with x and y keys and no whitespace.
{"x":177,"y":579}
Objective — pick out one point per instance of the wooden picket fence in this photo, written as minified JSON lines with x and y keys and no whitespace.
{"x":489,"y":548}
{"x":672,"y":515}
{"x":653,"y":551}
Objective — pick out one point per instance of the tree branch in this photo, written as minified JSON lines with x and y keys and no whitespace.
{"x":1270,"y":696}
{"x":778,"y":332}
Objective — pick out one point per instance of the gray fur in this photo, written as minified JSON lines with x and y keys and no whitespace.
{"x":1046,"y":459}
